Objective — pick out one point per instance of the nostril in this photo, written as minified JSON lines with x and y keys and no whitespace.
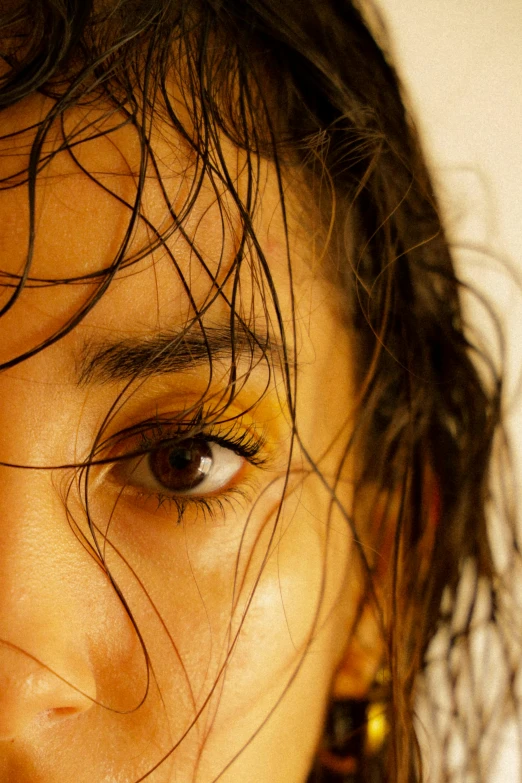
{"x":55,"y":716}
{"x":60,"y":712}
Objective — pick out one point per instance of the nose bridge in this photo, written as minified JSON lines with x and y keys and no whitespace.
{"x":45,"y":663}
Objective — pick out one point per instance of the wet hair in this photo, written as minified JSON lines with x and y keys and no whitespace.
{"x":306,"y":86}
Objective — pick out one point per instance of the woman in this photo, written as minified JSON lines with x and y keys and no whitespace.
{"x":244,"y":446}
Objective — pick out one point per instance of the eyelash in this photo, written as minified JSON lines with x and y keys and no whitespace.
{"x":208,"y":508}
{"x":243,"y":442}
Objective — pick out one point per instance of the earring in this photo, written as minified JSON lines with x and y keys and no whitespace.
{"x":355,"y":738}
{"x":343,"y":745}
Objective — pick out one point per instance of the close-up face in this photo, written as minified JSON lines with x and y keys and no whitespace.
{"x":247,"y":428}
{"x":178,"y":579}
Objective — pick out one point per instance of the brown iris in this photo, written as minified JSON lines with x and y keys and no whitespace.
{"x":181,"y":466}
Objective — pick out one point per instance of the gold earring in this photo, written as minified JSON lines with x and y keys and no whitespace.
{"x":355,"y":737}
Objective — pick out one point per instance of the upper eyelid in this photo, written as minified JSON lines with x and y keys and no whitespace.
{"x":225,"y":439}
{"x":138,"y":429}
{"x":173,"y":431}
{"x":257,"y":418}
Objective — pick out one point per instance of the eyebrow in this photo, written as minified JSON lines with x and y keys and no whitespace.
{"x":174,"y":351}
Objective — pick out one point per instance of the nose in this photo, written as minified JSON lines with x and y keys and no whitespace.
{"x":46,"y":675}
{"x":31,"y":692}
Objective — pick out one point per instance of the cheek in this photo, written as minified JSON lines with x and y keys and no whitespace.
{"x":297,"y":612}
{"x":231,"y":611}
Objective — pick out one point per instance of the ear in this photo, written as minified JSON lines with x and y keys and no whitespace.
{"x":365,"y":655}
{"x":362,"y":659}
{"x":375,"y":513}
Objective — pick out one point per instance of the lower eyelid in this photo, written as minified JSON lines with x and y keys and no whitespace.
{"x":201,"y":508}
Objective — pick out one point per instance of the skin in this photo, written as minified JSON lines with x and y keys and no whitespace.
{"x":224,"y":660}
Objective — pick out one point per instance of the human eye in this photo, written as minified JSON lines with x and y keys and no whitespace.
{"x":182,"y":465}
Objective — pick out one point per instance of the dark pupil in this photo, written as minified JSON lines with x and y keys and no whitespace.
{"x":181,"y":466}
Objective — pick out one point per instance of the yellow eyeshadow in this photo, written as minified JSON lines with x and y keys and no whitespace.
{"x":167,"y":398}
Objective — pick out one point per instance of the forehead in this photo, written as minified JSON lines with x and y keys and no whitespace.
{"x":100,"y":195}
{"x":88,"y":167}
{"x":199,"y":245}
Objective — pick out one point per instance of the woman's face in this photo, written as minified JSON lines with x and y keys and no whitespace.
{"x":242,"y":602}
